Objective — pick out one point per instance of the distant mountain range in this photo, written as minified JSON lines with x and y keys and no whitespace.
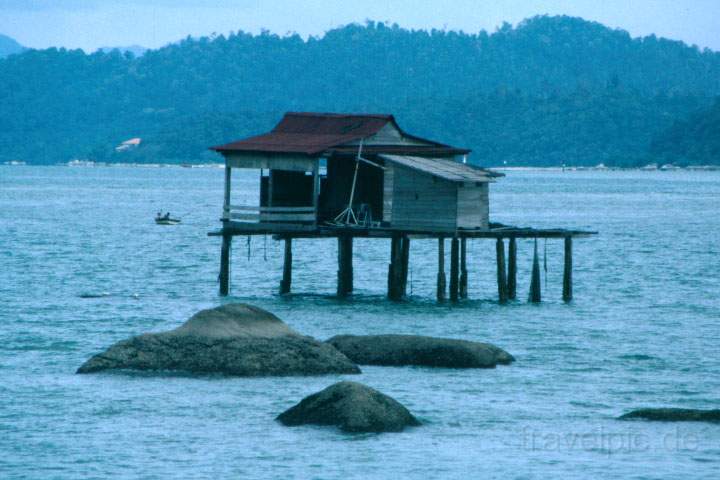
{"x":9,"y":46}
{"x":550,"y":91}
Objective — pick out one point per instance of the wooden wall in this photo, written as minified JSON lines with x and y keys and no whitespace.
{"x":472,"y":205}
{"x":422,"y":201}
{"x":388,"y":176}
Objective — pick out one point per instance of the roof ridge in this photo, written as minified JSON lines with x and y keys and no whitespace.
{"x":336,"y":114}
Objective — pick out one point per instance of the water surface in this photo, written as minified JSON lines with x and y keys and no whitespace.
{"x":82,"y":265}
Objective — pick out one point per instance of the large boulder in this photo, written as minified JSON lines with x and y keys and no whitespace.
{"x":673,"y":415}
{"x":234,"y":339}
{"x":398,"y":350}
{"x":352,"y":407}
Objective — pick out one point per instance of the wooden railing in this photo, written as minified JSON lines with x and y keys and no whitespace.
{"x":247,"y":213}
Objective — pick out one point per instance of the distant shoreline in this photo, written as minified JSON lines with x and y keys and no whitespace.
{"x":597,"y":168}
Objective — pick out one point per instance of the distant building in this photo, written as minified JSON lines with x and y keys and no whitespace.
{"x":129,"y":144}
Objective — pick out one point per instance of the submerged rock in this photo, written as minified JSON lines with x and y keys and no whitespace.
{"x":418,"y":350}
{"x":673,"y":415}
{"x":234,"y":339}
{"x":352,"y":407}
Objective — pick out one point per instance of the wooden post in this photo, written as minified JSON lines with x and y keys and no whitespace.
{"x":535,"y":296}
{"x":567,"y":271}
{"x":316,"y":189}
{"x":463,"y":268}
{"x":286,"y":281}
{"x":226,"y":198}
{"x":501,"y":273}
{"x":405,"y":258}
{"x":512,"y":269}
{"x":345,"y":266}
{"x":395,"y":269}
{"x":441,"y":283}
{"x":454,"y":244}
{"x":225,"y":265}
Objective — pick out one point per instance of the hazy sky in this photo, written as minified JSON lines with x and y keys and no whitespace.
{"x":90,"y":24}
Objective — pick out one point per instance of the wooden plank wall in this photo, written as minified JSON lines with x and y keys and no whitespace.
{"x":472,"y":205}
{"x":420,"y":200}
{"x":388,"y":192}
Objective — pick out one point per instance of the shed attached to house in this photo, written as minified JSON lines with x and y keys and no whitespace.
{"x":434,"y":193}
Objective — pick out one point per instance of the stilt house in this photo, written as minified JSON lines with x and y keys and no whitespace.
{"x":321,"y":169}
{"x":324,"y":175}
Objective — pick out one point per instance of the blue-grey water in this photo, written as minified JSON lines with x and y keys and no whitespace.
{"x":82,"y":265}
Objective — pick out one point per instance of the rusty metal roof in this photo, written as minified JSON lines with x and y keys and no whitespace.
{"x":444,"y":168}
{"x":314,"y":133}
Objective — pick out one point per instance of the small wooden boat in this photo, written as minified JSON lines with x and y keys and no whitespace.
{"x":166,"y":220}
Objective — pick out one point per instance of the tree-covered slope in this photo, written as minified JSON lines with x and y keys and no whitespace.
{"x":694,"y":140}
{"x":552,"y":90}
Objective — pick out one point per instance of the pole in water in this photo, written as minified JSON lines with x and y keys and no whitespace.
{"x":225,"y":265}
{"x":454,"y":270}
{"x":567,"y":271}
{"x":345,"y":268}
{"x":463,"y":268}
{"x":441,"y":282}
{"x":512,"y":268}
{"x":501,"y":273}
{"x":535,"y":279}
{"x":286,"y":281}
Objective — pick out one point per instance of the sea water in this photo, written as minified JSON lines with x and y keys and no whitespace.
{"x":82,"y":265}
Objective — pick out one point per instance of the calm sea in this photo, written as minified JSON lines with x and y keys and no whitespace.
{"x":82,"y":265}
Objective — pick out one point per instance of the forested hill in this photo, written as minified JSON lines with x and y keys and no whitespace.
{"x":551,"y":90}
{"x":694,"y":140}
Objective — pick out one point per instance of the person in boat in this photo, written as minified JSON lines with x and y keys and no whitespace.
{"x":167,"y":216}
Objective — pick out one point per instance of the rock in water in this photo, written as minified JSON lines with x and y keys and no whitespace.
{"x":234,"y":339}
{"x":673,"y":415}
{"x":418,"y":350}
{"x":352,"y":407}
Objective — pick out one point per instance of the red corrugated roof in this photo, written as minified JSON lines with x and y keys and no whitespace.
{"x":313,"y":133}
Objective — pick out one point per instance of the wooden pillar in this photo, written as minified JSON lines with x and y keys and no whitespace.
{"x":395,"y":269}
{"x":225,"y":265}
{"x":463,"y":268}
{"x":567,"y":271}
{"x":454,"y":270}
{"x":441,"y":282}
{"x":501,"y":273}
{"x":316,"y":190}
{"x":226,"y":198}
{"x":345,"y":265}
{"x":405,"y":259}
{"x":512,"y":269}
{"x":535,"y":296}
{"x":286,"y":281}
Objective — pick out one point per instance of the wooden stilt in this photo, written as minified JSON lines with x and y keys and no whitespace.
{"x":454,"y":270}
{"x":405,"y":259}
{"x":501,"y":273}
{"x":441,"y":282}
{"x":225,"y":265}
{"x":512,"y":268}
{"x":535,"y":296}
{"x":286,"y":281}
{"x":463,"y":268}
{"x":345,"y":267}
{"x":395,"y":269}
{"x":567,"y":271}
